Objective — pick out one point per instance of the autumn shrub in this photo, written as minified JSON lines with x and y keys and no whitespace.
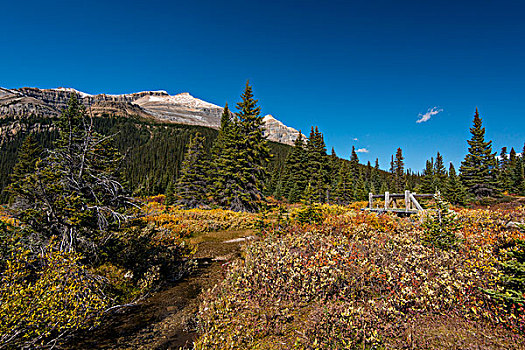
{"x":46,"y":296}
{"x":359,"y":280}
{"x":184,"y":223}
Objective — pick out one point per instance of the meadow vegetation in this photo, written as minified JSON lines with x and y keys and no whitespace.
{"x":358,"y":280}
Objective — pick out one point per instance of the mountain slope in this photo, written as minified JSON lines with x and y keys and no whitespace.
{"x":156,"y":105}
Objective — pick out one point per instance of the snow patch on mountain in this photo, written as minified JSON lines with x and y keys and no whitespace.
{"x":80,"y":93}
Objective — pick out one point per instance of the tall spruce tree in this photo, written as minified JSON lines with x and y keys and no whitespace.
{"x":218,"y":145}
{"x":477,"y":169}
{"x":170,"y":194}
{"x":345,"y":184}
{"x":295,"y":174}
{"x":360,"y":192}
{"x":192,"y":185}
{"x":399,"y":171}
{"x":427,"y":178}
{"x":354,"y":164}
{"x":358,"y":183}
{"x":375,"y":177}
{"x":241,"y":164}
{"x":440,"y":174}
{"x":317,"y":165}
{"x":518,"y":176}
{"x":28,"y":156}
{"x":454,"y":192}
{"x":504,"y":178}
{"x":333,"y":169}
{"x":256,"y":149}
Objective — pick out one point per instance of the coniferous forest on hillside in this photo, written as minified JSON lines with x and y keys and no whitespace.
{"x":103,"y":215}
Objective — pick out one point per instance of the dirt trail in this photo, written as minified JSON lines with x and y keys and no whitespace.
{"x":164,"y":321}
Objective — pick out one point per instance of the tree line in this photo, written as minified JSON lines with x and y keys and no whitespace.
{"x":309,"y":174}
{"x":235,"y":167}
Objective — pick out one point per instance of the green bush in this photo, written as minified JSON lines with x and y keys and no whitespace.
{"x":440,"y":226}
{"x":510,"y":290}
{"x":310,"y":214}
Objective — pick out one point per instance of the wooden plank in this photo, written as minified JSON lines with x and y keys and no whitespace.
{"x":397,"y":195}
{"x":425,"y":195}
{"x":415,"y":202}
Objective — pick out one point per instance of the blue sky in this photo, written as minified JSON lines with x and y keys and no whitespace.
{"x":364,"y":70}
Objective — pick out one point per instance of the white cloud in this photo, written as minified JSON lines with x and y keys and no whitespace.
{"x":429,"y":114}
{"x":362,"y":150}
{"x":355,"y":139}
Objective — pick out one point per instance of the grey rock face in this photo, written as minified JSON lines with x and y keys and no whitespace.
{"x":277,"y":131}
{"x":159,"y":105}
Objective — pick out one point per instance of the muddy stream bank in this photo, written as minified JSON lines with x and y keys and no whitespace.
{"x":165,"y":320}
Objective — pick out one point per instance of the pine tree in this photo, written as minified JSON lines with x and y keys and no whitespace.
{"x":317,"y":165}
{"x":360,"y":192}
{"x":241,"y":164}
{"x":375,"y":177}
{"x":192,"y":185}
{"x":399,"y":171}
{"x":368,"y":171}
{"x":440,"y":174}
{"x":345,"y":184}
{"x":226,"y":121}
{"x":477,"y":169}
{"x":333,"y":168}
{"x":454,"y":192}
{"x":354,"y":164}
{"x":295,"y":194}
{"x":295,"y":175}
{"x":503,"y":158}
{"x":28,"y":156}
{"x":170,"y":194}
{"x":512,"y":158}
{"x":503,"y":178}
{"x":228,"y":186}
{"x":518,"y":176}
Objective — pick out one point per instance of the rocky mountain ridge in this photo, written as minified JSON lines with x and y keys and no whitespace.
{"x":156,"y":105}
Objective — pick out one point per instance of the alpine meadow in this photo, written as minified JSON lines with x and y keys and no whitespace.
{"x":381,"y":205}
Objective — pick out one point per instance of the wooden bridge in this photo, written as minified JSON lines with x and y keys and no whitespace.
{"x":411,"y":205}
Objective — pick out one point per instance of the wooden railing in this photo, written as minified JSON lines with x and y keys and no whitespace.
{"x":411,"y":204}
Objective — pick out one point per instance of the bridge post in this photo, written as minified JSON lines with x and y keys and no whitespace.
{"x":407,"y":200}
{"x":387,"y":200}
{"x":370,"y":200}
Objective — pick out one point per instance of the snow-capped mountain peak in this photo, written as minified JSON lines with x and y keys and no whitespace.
{"x":276,"y":130}
{"x":182,"y":108}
